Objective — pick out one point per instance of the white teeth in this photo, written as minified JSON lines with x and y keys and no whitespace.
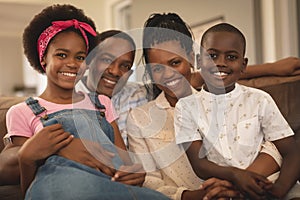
{"x":109,"y":81}
{"x":172,"y":83}
{"x":220,"y":73}
{"x":69,"y":74}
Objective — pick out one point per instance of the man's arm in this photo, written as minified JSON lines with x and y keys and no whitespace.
{"x":289,"y":66}
{"x":284,"y":67}
{"x":9,"y":165}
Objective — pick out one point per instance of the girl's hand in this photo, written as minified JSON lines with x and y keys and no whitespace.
{"x":90,"y":154}
{"x":44,"y":144}
{"x":130,"y":175}
{"x":250,"y":183}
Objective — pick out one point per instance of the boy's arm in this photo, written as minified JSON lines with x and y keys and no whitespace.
{"x":246,"y":181}
{"x":289,"y":172}
{"x":268,"y":160}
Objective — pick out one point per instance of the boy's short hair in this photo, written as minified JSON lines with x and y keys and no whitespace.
{"x":224,"y":27}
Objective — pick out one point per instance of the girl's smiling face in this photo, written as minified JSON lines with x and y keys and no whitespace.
{"x":222,"y":61}
{"x":170,"y":68}
{"x":63,"y":60}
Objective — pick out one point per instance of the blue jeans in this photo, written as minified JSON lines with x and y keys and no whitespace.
{"x":61,"y":178}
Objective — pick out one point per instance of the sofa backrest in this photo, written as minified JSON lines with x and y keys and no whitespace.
{"x":284,"y":90}
{"x":5,"y":104}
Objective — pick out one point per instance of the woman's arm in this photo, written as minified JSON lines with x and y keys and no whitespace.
{"x":290,"y":168}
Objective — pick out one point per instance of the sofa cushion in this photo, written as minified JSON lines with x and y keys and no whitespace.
{"x":10,"y":192}
{"x":5,"y":104}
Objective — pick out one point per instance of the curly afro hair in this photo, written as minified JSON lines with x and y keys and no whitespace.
{"x":43,"y":20}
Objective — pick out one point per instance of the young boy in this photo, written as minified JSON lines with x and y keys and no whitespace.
{"x":223,"y":126}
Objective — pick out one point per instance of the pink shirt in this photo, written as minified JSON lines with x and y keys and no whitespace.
{"x":21,"y":121}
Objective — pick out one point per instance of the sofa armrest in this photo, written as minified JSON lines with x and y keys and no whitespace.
{"x":5,"y":104}
{"x":10,"y":192}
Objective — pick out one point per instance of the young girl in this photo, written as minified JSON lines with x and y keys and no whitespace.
{"x":55,"y":127}
{"x":227,"y":123}
{"x":168,"y":53}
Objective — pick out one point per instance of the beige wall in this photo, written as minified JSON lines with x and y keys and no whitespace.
{"x":238,"y":12}
{"x":17,"y":15}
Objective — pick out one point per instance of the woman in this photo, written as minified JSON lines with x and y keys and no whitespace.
{"x":168,"y":53}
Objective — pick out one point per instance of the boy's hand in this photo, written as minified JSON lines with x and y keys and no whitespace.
{"x":130,"y":175}
{"x":250,"y":183}
{"x":219,"y":189}
{"x":90,"y":154}
{"x":44,"y":144}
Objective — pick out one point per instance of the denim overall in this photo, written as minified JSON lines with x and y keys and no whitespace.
{"x":61,"y":178}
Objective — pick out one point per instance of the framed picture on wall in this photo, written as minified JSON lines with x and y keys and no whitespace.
{"x":199,"y":28}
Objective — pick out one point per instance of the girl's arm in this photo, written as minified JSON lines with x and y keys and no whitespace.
{"x":39,"y":147}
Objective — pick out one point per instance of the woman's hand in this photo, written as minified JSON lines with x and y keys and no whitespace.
{"x":130,"y":175}
{"x":90,"y":154}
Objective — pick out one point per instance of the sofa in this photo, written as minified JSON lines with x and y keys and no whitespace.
{"x":8,"y":192}
{"x":284,"y":90}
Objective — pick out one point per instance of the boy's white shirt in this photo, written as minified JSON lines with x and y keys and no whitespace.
{"x":232,"y":126}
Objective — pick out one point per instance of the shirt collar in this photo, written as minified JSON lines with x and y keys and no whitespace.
{"x":234,"y":93}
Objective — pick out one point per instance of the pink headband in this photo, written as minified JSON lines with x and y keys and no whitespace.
{"x":58,"y":26}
